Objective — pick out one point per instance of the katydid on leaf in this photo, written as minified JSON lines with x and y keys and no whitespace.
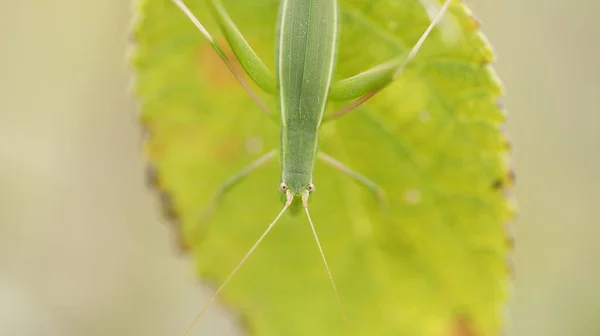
{"x":307,"y":36}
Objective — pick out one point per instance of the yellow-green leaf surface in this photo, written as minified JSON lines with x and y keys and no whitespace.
{"x":434,"y":263}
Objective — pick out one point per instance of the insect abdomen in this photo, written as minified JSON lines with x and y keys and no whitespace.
{"x":306,"y":45}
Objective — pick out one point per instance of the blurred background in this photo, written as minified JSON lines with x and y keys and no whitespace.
{"x":83,"y":248}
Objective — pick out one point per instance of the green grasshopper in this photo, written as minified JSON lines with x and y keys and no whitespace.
{"x":306,"y":51}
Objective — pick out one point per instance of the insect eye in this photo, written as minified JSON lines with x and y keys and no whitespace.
{"x":283,"y":187}
{"x":311,"y":188}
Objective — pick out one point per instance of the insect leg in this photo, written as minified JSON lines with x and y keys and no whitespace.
{"x":252,"y":64}
{"x":361,"y":84}
{"x":367,"y":84}
{"x":231,"y":182}
{"x":222,"y":55}
{"x":377,"y":191}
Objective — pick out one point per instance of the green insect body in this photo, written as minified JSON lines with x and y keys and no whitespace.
{"x":305,"y":60}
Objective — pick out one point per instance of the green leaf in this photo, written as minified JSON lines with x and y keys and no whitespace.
{"x":433,"y":264}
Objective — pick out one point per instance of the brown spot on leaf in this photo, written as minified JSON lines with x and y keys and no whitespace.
{"x":485,"y":61}
{"x":229,"y":149}
{"x":180,"y":241}
{"x":506,"y":181}
{"x":169,"y":212}
{"x":462,"y":327}
{"x":213,"y":67}
{"x":167,"y":207}
{"x":497,"y":184}
{"x":151,"y":175}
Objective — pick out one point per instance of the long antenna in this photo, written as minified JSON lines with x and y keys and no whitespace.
{"x":288,"y":202}
{"x":413,"y":52}
{"x":222,"y":55}
{"x":415,"y":49}
{"x":312,"y":227}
